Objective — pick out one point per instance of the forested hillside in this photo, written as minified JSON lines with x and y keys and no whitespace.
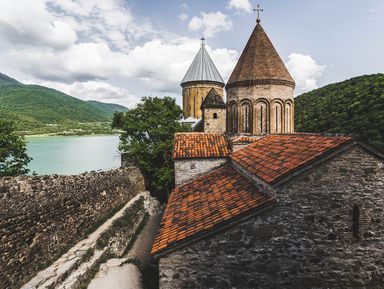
{"x":353,"y":106}
{"x":41,"y":109}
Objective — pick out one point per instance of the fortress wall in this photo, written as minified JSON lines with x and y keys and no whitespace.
{"x":43,"y":216}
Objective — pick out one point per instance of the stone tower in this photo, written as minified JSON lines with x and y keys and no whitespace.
{"x":200,"y":78}
{"x":260,"y":90}
{"x":214,"y":112}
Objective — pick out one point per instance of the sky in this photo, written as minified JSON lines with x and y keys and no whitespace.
{"x":118,"y":51}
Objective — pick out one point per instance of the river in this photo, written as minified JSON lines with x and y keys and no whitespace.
{"x":67,"y":155}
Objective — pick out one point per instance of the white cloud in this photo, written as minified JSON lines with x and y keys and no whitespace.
{"x":305,"y":71}
{"x":183,"y":16}
{"x":81,"y":46}
{"x":93,"y":90}
{"x":211,"y":23}
{"x":30,"y":23}
{"x":240,"y":5}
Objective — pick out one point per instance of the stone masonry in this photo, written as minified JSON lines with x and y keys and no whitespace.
{"x":41,"y":217}
{"x":305,"y":241}
{"x":189,"y":169}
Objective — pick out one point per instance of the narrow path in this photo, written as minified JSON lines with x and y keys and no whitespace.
{"x":114,"y":275}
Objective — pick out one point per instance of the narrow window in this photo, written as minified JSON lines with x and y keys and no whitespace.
{"x":233,"y":118}
{"x":215,"y":115}
{"x":246,"y":117}
{"x":288,"y":118}
{"x":261,"y":112}
{"x":355,"y":221}
{"x":278,"y":118}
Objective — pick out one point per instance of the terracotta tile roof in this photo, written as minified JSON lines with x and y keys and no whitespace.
{"x":205,"y":204}
{"x":276,"y":156}
{"x":244,"y":139}
{"x":200,"y":145}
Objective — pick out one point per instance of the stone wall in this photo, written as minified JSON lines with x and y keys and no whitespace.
{"x":215,"y":125}
{"x":270,"y":95}
{"x":193,"y":95}
{"x":41,"y":217}
{"x":190,"y":169}
{"x":304,"y":242}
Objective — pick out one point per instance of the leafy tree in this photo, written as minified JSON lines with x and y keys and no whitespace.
{"x":13,"y":157}
{"x":147,"y":140}
{"x":354,"y":106}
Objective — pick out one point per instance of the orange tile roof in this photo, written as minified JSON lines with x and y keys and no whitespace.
{"x":276,"y":156}
{"x":244,"y":139}
{"x":200,"y":145}
{"x":206,"y":204}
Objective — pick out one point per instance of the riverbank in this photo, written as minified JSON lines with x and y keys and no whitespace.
{"x":70,"y":129}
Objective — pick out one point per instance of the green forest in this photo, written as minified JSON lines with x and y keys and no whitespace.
{"x":37,"y":109}
{"x":354,"y":106}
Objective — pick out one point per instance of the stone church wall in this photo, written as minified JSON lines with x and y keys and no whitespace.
{"x":189,"y":169}
{"x":193,"y":95}
{"x":265,"y":93}
{"x":215,"y":125}
{"x":304,"y":242}
{"x":41,"y":217}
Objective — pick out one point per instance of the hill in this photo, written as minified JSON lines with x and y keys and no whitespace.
{"x":41,"y":109}
{"x":354,"y":106}
{"x":6,"y":80}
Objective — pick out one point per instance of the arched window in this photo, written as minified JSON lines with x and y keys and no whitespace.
{"x":288,"y":111}
{"x":261,"y":117}
{"x":246,"y":117}
{"x":278,"y":117}
{"x":215,"y":115}
{"x":233,"y":118}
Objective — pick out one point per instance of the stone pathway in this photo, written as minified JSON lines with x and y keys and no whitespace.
{"x":114,"y":275}
{"x":63,"y":273}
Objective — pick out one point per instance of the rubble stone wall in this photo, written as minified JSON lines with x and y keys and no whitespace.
{"x":305,"y":241}
{"x":43,"y":216}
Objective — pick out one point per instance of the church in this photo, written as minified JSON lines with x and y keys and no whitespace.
{"x":258,"y":205}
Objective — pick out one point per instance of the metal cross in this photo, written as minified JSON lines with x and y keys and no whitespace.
{"x":258,"y":10}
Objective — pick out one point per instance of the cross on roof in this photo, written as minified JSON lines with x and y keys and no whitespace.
{"x":202,"y":40}
{"x":258,"y":10}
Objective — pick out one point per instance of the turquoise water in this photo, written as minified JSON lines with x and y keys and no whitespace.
{"x":67,"y":155}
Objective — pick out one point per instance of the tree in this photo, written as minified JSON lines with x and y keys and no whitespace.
{"x":147,"y":140}
{"x":13,"y":156}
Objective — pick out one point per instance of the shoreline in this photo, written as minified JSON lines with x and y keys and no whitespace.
{"x":62,"y":135}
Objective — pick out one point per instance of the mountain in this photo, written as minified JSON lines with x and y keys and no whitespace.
{"x":108,"y":108}
{"x":354,"y":106}
{"x":6,"y":80}
{"x":34,"y":106}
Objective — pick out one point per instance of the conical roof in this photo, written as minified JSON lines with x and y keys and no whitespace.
{"x":202,"y":69}
{"x":213,"y":100}
{"x":260,"y":63}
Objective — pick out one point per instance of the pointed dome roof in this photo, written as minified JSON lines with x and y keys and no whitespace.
{"x":260,"y":63}
{"x":202,"y":69}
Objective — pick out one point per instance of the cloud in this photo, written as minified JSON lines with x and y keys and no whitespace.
{"x":26,"y":22}
{"x":305,"y":71}
{"x":210,"y":23}
{"x":183,"y":16}
{"x":93,"y":90}
{"x":240,"y":5}
{"x":97,"y":43}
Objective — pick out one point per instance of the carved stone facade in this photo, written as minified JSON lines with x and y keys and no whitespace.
{"x":193,"y":95}
{"x":260,"y":109}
